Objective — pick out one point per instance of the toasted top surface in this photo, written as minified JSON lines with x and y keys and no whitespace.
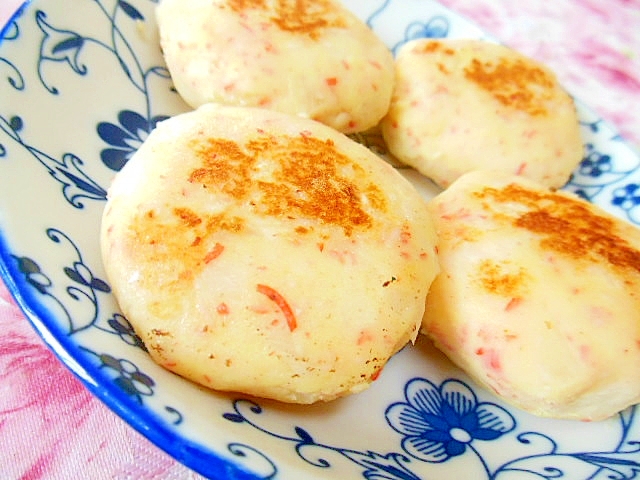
{"x":512,"y":79}
{"x":261,"y":252}
{"x":538,"y":295}
{"x":295,"y":183}
{"x":300,"y":164}
{"x":315,"y":59}
{"x":488,"y":107}
{"x":306,"y":17}
{"x":564,"y":224}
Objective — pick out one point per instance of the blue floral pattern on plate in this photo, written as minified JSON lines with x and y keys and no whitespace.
{"x":422,"y":419}
{"x":125,"y":138}
{"x":439,"y":423}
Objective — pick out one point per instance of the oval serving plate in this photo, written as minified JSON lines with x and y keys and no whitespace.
{"x":83,"y":83}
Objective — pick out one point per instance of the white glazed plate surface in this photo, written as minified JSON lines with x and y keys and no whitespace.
{"x":82,"y":83}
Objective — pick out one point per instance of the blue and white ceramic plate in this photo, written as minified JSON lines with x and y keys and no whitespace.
{"x":82,"y":83}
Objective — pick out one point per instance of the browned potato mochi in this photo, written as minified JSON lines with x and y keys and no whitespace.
{"x":259,"y":252}
{"x":538,"y":297}
{"x":312,"y":58}
{"x":464,"y":105}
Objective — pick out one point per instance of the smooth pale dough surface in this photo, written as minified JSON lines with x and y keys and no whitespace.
{"x":537,"y":298}
{"x":259,"y":252}
{"x":464,"y":105}
{"x":311,"y":58}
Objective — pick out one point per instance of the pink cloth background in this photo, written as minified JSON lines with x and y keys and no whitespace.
{"x":51,"y":427}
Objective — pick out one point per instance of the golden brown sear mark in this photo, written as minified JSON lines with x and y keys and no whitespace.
{"x":287,"y":177}
{"x":183,"y":243}
{"x":224,"y":165}
{"x":502,"y":278}
{"x":514,"y":83}
{"x":566,"y":226}
{"x":311,"y":179}
{"x":306,"y":17}
{"x":435,"y":46}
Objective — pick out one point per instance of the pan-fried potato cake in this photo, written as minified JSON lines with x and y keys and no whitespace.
{"x":538,"y":296}
{"x":260,"y":252}
{"x":463,"y":105}
{"x":312,"y":58}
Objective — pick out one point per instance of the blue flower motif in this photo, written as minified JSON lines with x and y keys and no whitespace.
{"x":125,"y":138}
{"x":436,"y":27}
{"x":121,"y":326}
{"x":595,"y":164}
{"x":440,"y":422}
{"x":130,"y":379}
{"x":33,"y":274}
{"x":627,"y":197}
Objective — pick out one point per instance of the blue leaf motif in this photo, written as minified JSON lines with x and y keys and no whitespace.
{"x":304,"y":435}
{"x":100,"y":285}
{"x":124,"y":67}
{"x":74,"y":275}
{"x":27,"y":265}
{"x":76,"y":182}
{"x":92,"y":189}
{"x":233,"y":417}
{"x":620,"y":462}
{"x":33,"y":274}
{"x":382,"y":467}
{"x":71,"y":43}
{"x":130,"y":10}
{"x":16,"y":123}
